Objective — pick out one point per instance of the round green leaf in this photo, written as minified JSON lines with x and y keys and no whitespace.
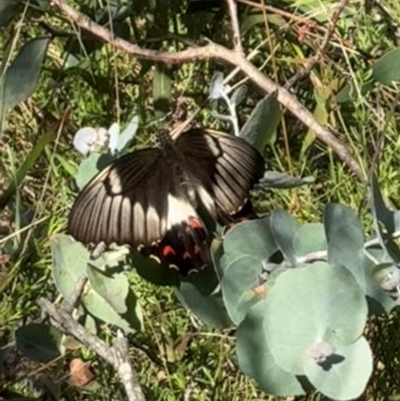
{"x":346,"y":248}
{"x":309,"y":305}
{"x":387,"y":69}
{"x":345,"y":374}
{"x":249,"y":238}
{"x":284,"y":228}
{"x":242,"y":287}
{"x":70,"y":259}
{"x":210,"y":309}
{"x":112,"y":288}
{"x":39,"y":342}
{"x":309,"y":238}
{"x":255,"y":358}
{"x":130,"y":321}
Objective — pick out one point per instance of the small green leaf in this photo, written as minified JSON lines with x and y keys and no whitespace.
{"x":242,"y":287}
{"x":97,"y":306}
{"x":344,"y":376}
{"x":255,"y":358}
{"x":284,"y":228}
{"x":309,"y":238}
{"x":22,"y":75}
{"x":162,"y":90}
{"x":70,"y":259}
{"x":261,"y":126}
{"x":205,"y":304}
{"x":252,"y":237}
{"x":275,"y":179}
{"x":39,"y":342}
{"x":387,"y":69}
{"x":113,"y":288}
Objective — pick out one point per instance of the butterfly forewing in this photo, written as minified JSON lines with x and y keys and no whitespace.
{"x":122,"y":203}
{"x":225,"y":167}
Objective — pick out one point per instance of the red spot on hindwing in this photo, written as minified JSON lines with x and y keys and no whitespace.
{"x":183,"y":246}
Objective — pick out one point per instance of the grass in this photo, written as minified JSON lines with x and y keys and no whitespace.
{"x":176,"y":354}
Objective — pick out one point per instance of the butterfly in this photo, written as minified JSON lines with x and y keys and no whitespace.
{"x":149,"y":198}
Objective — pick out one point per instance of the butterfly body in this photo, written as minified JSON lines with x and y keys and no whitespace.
{"x":149,"y":198}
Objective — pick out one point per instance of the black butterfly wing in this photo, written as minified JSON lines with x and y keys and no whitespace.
{"x":125,"y":203}
{"x":225,"y":168}
{"x":139,"y":200}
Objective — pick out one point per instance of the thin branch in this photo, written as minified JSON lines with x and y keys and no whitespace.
{"x":69,"y":303}
{"x":318,"y":56}
{"x":117,"y":355}
{"x":217,"y":52}
{"x":236,"y":39}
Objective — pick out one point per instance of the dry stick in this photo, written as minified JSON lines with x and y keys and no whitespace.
{"x":236,"y":38}
{"x":215,"y":51}
{"x":320,"y":52}
{"x":117,"y":355}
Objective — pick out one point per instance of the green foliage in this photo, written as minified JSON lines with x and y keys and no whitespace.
{"x":27,"y":64}
{"x":353,"y":90}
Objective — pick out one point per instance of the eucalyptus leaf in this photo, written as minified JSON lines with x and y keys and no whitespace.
{"x":238,"y":95}
{"x":202,"y":301}
{"x":242,"y":287}
{"x":345,"y":374}
{"x":275,"y":179}
{"x":255,"y":358}
{"x":387,"y":69}
{"x":39,"y":342}
{"x":22,"y":75}
{"x":113,"y":288}
{"x":253,"y":238}
{"x":216,"y":86}
{"x":284,"y":228}
{"x":70,"y":259}
{"x":259,"y":130}
{"x":316,"y":303}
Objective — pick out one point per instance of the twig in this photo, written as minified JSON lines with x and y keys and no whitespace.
{"x":236,"y":39}
{"x":217,"y":52}
{"x":117,"y":355}
{"x":69,"y":303}
{"x":318,"y":56}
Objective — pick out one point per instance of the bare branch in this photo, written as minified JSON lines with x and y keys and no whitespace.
{"x":237,"y":40}
{"x":117,"y":355}
{"x":317,"y":58}
{"x":69,"y":303}
{"x":217,"y":52}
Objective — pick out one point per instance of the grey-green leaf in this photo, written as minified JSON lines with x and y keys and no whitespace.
{"x":346,"y":373}
{"x":284,"y":228}
{"x":307,"y":305}
{"x":242,"y":287}
{"x":113,"y":288}
{"x":70,"y":259}
{"x":387,"y":69}
{"x":259,"y":130}
{"x":39,"y":342}
{"x":255,"y":358}
{"x":275,"y":179}
{"x":22,"y":75}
